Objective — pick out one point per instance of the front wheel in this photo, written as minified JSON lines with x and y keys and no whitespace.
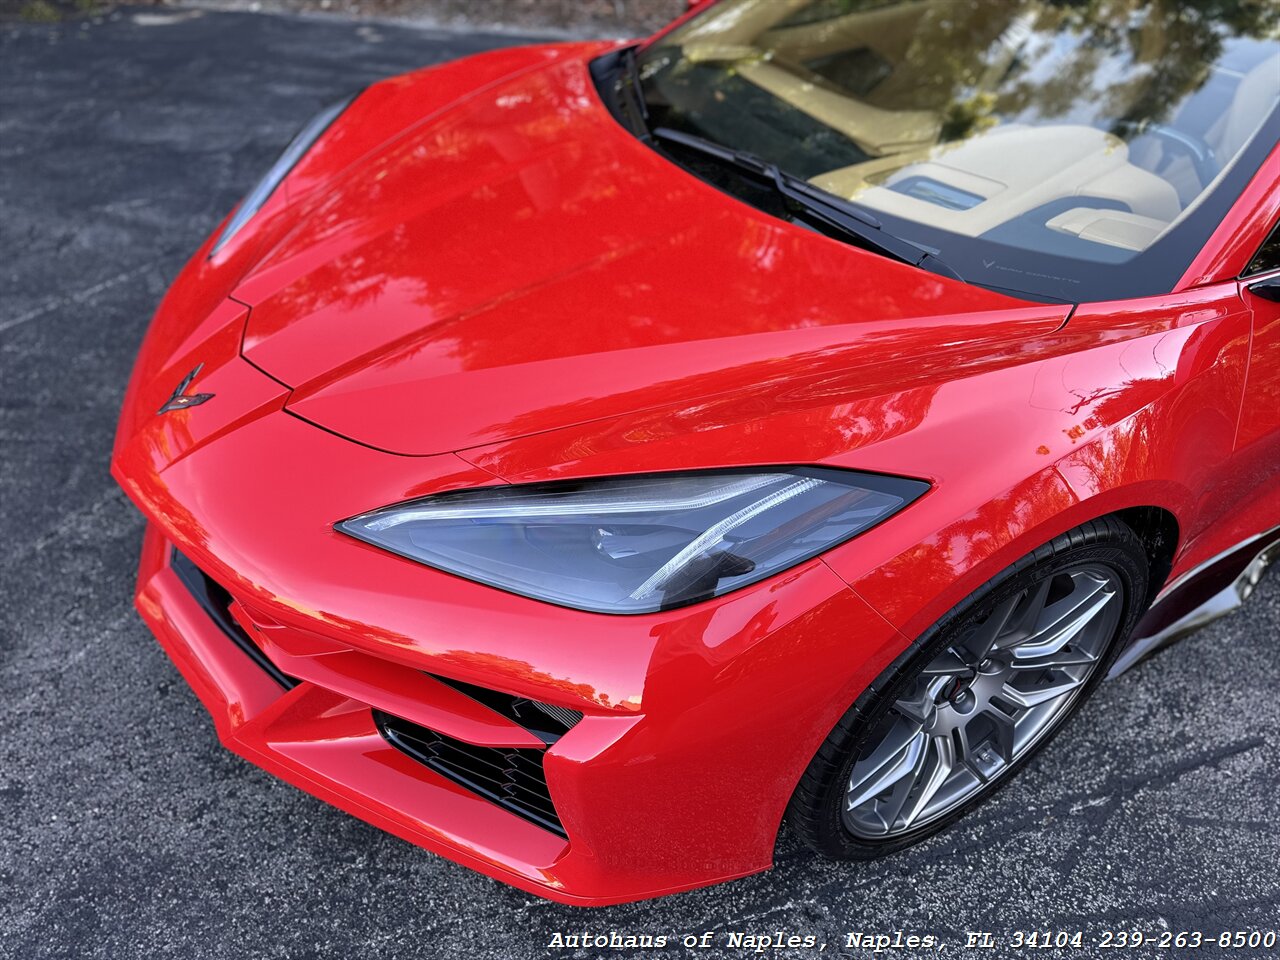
{"x":975,"y":697}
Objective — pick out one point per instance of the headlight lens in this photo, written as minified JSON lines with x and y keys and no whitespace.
{"x":636,"y":544}
{"x":294,"y":152}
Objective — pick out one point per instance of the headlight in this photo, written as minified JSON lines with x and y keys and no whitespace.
{"x":263,"y":189}
{"x":636,"y":544}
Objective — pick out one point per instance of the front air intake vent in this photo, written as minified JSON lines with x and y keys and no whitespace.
{"x":546,"y":722}
{"x":561,"y":715}
{"x":510,"y":777}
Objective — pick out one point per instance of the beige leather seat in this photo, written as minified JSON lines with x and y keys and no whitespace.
{"x":1255,"y":98}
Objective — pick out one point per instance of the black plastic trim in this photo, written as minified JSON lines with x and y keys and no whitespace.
{"x":529,"y":714}
{"x":1196,"y":588}
{"x":1267,"y":258}
{"x":216,"y":603}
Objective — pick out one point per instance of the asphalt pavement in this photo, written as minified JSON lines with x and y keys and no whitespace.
{"x":126,"y":831}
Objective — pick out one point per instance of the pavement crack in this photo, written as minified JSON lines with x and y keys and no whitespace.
{"x":80,"y":296}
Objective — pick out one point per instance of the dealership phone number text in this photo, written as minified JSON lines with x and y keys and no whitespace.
{"x":1130,"y":939}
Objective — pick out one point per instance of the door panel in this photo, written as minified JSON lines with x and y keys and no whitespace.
{"x":1257,"y":456}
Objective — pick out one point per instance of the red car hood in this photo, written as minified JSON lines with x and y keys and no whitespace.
{"x":520,"y":263}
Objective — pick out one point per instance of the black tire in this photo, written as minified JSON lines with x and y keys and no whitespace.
{"x":816,"y":808}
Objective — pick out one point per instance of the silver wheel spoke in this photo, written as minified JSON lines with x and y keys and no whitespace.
{"x":1053,"y":661}
{"x":917,"y":711}
{"x":947,"y":664}
{"x":906,"y":784}
{"x":919,"y":708}
{"x":1029,"y":613}
{"x":984,"y":639}
{"x":1039,"y":695}
{"x":1023,"y":623}
{"x":876,"y":780}
{"x":1065,"y":619}
{"x":933,"y":773}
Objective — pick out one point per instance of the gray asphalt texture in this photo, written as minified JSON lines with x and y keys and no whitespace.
{"x":126,"y":831}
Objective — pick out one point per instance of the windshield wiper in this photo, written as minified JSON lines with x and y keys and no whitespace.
{"x":813,"y":204}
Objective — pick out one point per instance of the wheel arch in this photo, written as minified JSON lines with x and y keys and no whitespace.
{"x":962,"y":549}
{"x":1147,"y":508}
{"x":1160,"y":533}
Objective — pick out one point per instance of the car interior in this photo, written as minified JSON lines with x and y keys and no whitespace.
{"x":1030,"y":123}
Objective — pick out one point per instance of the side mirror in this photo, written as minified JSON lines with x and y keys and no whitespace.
{"x":1268,"y":289}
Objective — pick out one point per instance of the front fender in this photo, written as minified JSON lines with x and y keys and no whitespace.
{"x":1142,"y":412}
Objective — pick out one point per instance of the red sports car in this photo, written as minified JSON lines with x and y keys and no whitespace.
{"x":579,"y":459}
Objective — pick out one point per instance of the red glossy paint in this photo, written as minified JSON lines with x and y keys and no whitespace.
{"x":477,"y":277}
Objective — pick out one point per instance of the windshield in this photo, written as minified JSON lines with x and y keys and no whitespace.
{"x":1077,"y":149}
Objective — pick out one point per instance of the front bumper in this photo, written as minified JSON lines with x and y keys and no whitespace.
{"x":697,"y":723}
{"x":628,"y":833}
{"x":328,"y":744}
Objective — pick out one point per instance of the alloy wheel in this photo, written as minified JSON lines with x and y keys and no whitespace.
{"x":968,"y":714}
